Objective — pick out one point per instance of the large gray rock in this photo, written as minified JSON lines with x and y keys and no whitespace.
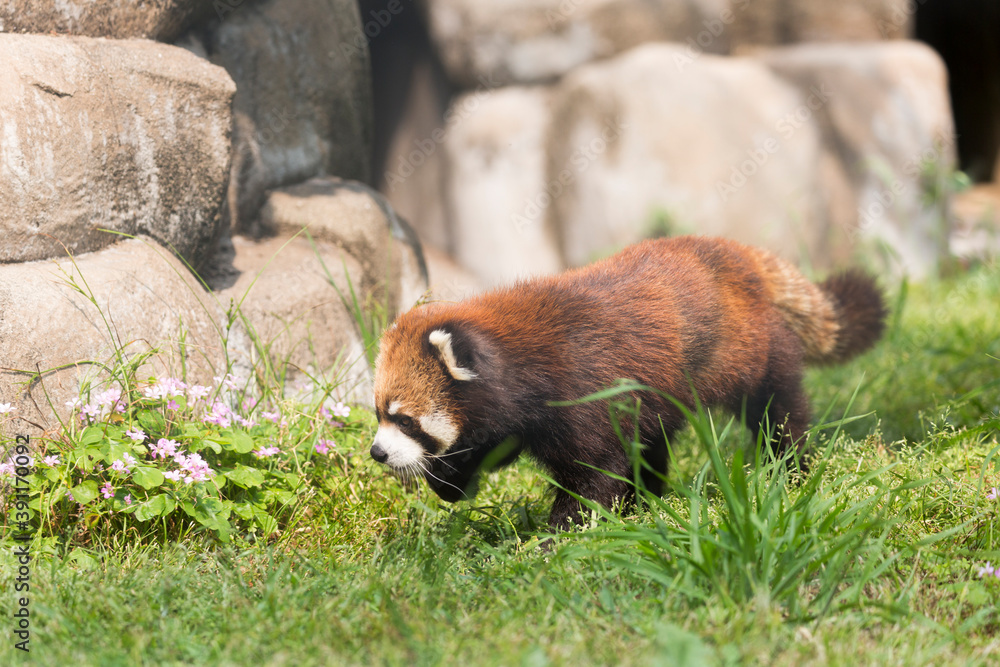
{"x":303,"y":106}
{"x":887,"y":126}
{"x":132,"y":297}
{"x":505,"y":41}
{"x":64,"y":322}
{"x":496,"y":192}
{"x":642,"y":147}
{"x":131,"y":136}
{"x":777,"y":22}
{"x":358,"y":220}
{"x":288,"y":304}
{"x":161,"y":20}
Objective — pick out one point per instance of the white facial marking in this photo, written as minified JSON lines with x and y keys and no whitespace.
{"x":440,"y":427}
{"x":403,"y":450}
{"x":395,"y":407}
{"x":441,"y":339}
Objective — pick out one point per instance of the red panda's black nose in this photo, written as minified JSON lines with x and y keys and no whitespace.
{"x":379,"y":454}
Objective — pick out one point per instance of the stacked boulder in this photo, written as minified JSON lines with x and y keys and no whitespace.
{"x":815,"y":129}
{"x":187,"y":176}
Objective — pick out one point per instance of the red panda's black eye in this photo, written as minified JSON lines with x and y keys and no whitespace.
{"x":404,"y":421}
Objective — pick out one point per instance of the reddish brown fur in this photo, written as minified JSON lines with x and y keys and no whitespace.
{"x":733,"y":321}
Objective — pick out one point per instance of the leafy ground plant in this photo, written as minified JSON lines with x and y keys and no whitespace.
{"x":168,"y":457}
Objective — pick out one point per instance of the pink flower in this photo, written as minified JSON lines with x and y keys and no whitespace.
{"x":164,"y":448}
{"x":124,"y":464}
{"x":165,"y":389}
{"x":111,"y":399}
{"x":197,"y":391}
{"x":172,"y":405}
{"x":137,"y":434}
{"x":993,"y":493}
{"x":108,"y":490}
{"x":336,"y":424}
{"x":323,"y":446}
{"x":128,"y":498}
{"x":172,"y":475}
{"x":265,"y":452}
{"x":51,"y":461}
{"x":341,"y":410}
{"x":195,"y":467}
{"x":271,"y":416}
{"x":220,"y":415}
{"x":6,"y":407}
{"x":230,"y":381}
{"x":245,"y":423}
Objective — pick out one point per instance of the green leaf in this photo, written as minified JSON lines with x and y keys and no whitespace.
{"x":213,"y":445}
{"x":158,"y":505}
{"x":147,"y":477}
{"x":245,"y":476}
{"x":242,"y":442}
{"x":267,"y":523}
{"x":92,"y":435}
{"x":84,"y":492}
{"x":151,"y":422}
{"x":243,"y":510}
{"x":83,"y":559}
{"x":211,"y":513}
{"x":115,"y":450}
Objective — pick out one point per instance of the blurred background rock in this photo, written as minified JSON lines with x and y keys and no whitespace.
{"x":449,"y":145}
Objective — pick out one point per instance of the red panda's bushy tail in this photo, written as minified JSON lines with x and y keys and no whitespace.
{"x":836,"y":320}
{"x":861,"y":313}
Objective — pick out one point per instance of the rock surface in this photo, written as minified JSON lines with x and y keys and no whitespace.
{"x":162,"y":20}
{"x":303,"y":106}
{"x":509,"y":41}
{"x":645,"y":147}
{"x":358,"y":220}
{"x":778,"y":22}
{"x":496,"y":192}
{"x":127,"y":135}
{"x":888,"y":126}
{"x":289,"y":306}
{"x":526,"y":41}
{"x":140,"y":294}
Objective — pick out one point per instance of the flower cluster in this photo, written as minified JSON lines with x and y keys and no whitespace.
{"x":124,"y":464}
{"x":100,"y":405}
{"x":193,"y":468}
{"x":989,"y":571}
{"x":164,"y":448}
{"x":265,"y":452}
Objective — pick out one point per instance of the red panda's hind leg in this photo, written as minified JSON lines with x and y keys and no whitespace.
{"x":780,"y":408}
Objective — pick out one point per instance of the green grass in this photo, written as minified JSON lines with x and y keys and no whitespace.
{"x":872,"y":560}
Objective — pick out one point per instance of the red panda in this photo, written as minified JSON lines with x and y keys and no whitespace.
{"x":458,"y":385}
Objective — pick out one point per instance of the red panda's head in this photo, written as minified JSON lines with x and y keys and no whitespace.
{"x":420,"y":364}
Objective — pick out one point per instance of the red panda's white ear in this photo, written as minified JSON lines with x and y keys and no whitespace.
{"x":441,"y":339}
